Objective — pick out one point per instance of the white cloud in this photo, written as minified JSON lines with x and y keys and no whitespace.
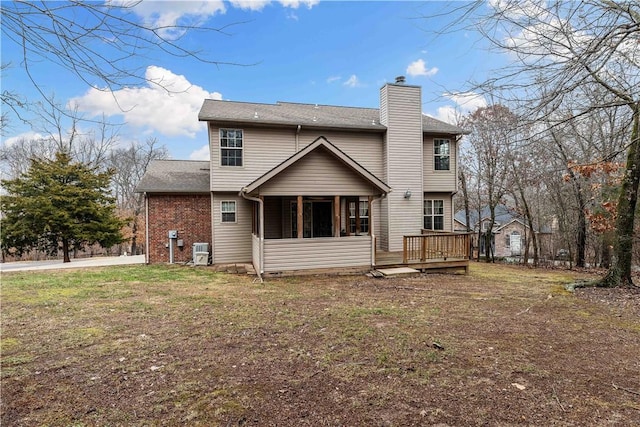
{"x":467,"y":101}
{"x":448,"y":114}
{"x":26,"y":136}
{"x":169,"y":104}
{"x":193,"y":13}
{"x":352,"y":81}
{"x":419,"y":68}
{"x":294,"y":4}
{"x":201,"y":153}
{"x":171,"y":13}
{"x":250,"y":4}
{"x":521,"y":8}
{"x":333,"y":79}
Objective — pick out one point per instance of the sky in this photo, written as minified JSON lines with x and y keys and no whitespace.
{"x":307,"y":51}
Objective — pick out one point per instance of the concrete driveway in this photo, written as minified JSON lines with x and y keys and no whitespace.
{"x":7,"y":267}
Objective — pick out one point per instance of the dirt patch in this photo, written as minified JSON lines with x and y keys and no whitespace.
{"x":501,"y":346}
{"x":620,"y":300}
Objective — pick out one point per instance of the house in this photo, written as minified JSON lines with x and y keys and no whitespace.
{"x":510,"y":235}
{"x":298,"y":187}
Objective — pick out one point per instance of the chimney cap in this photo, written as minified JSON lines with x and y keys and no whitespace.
{"x":400,"y":80}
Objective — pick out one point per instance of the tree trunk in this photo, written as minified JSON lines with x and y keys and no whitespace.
{"x":619,"y":273}
{"x":65,"y":250}
{"x":581,"y":238}
{"x":134,"y":237}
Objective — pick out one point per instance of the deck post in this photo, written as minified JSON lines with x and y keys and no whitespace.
{"x":336,"y":216}
{"x":299,"y":218}
{"x":404,"y":250}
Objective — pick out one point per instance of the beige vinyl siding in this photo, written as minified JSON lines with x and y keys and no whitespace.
{"x":255,"y":253}
{"x":328,"y":252}
{"x":232,"y":241}
{"x":382,"y":232}
{"x":402,"y":107}
{"x":319,"y":173}
{"x":377,"y":223}
{"x":448,"y":207}
{"x":263,"y":149}
{"x":363,"y":147}
{"x":440,"y":180}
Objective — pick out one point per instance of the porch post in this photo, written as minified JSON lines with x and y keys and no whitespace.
{"x":336,"y":216}
{"x":370,"y":215}
{"x":299,"y":219}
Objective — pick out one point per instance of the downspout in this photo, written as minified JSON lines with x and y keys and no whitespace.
{"x":244,"y":195}
{"x":146,"y":227}
{"x":297,"y":140}
{"x":373,"y":234}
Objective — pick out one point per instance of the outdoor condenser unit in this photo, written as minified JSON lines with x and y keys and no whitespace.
{"x":200,"y":254}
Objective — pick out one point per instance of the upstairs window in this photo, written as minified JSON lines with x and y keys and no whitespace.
{"x":441,"y":154}
{"x":231,"y":147}
{"x":434,"y":214}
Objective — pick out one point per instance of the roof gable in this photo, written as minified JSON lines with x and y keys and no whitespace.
{"x":320,"y":143}
{"x":175,"y":176}
{"x":308,"y":115}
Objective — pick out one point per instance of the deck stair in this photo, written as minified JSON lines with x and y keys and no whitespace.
{"x":395,"y":272}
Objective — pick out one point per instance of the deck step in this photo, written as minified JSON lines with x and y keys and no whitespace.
{"x":394,"y":272}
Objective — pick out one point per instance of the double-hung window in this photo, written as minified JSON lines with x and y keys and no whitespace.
{"x":228,"y":209}
{"x":358,"y":216}
{"x":231,"y":144}
{"x":441,"y":154}
{"x":434,"y":214}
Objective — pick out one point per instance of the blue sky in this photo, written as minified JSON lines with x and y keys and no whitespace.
{"x":327,"y":52}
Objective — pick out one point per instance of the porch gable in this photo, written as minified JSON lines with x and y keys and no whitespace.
{"x":320,"y":169}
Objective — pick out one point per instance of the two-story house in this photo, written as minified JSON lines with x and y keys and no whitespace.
{"x":293,"y":187}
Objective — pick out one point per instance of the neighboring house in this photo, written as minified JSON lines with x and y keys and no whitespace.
{"x":294,"y":187}
{"x":510,"y":233}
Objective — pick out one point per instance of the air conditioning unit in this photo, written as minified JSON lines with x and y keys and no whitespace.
{"x":200,"y":254}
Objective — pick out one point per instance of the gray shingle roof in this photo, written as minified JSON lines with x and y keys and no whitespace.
{"x":307,"y":115}
{"x":175,"y":176}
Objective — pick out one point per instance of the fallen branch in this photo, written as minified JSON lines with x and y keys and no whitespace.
{"x":555,"y":394}
{"x":637,"y":393}
{"x":524,"y":311}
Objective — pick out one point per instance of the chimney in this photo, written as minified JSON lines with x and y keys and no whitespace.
{"x":400,"y":80}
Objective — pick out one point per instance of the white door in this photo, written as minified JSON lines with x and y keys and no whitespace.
{"x":515,"y":243}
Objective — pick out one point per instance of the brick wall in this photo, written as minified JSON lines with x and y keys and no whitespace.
{"x":190,"y":214}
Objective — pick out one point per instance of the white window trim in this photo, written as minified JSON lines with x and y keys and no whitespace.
{"x":220,"y":147}
{"x":434,"y":215}
{"x":235,"y":212}
{"x":438,"y":155}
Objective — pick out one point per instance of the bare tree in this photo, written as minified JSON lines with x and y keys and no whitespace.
{"x":130,"y":163}
{"x":565,"y":47}
{"x":96,"y":42}
{"x":60,"y":131}
{"x":491,"y":135}
{"x":524,"y":174}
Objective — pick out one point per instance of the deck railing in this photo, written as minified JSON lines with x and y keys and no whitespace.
{"x":432,"y":246}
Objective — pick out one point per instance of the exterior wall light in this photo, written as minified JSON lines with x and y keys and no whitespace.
{"x":407,"y":194}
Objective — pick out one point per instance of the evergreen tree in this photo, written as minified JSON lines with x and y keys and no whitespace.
{"x":58,"y":204}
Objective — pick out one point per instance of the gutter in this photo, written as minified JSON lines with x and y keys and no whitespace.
{"x":260,"y":202}
{"x":146,"y":226}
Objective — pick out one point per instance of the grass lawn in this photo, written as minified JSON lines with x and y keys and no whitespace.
{"x":169,"y":345}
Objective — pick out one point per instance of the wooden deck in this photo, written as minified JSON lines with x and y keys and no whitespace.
{"x":432,"y":251}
